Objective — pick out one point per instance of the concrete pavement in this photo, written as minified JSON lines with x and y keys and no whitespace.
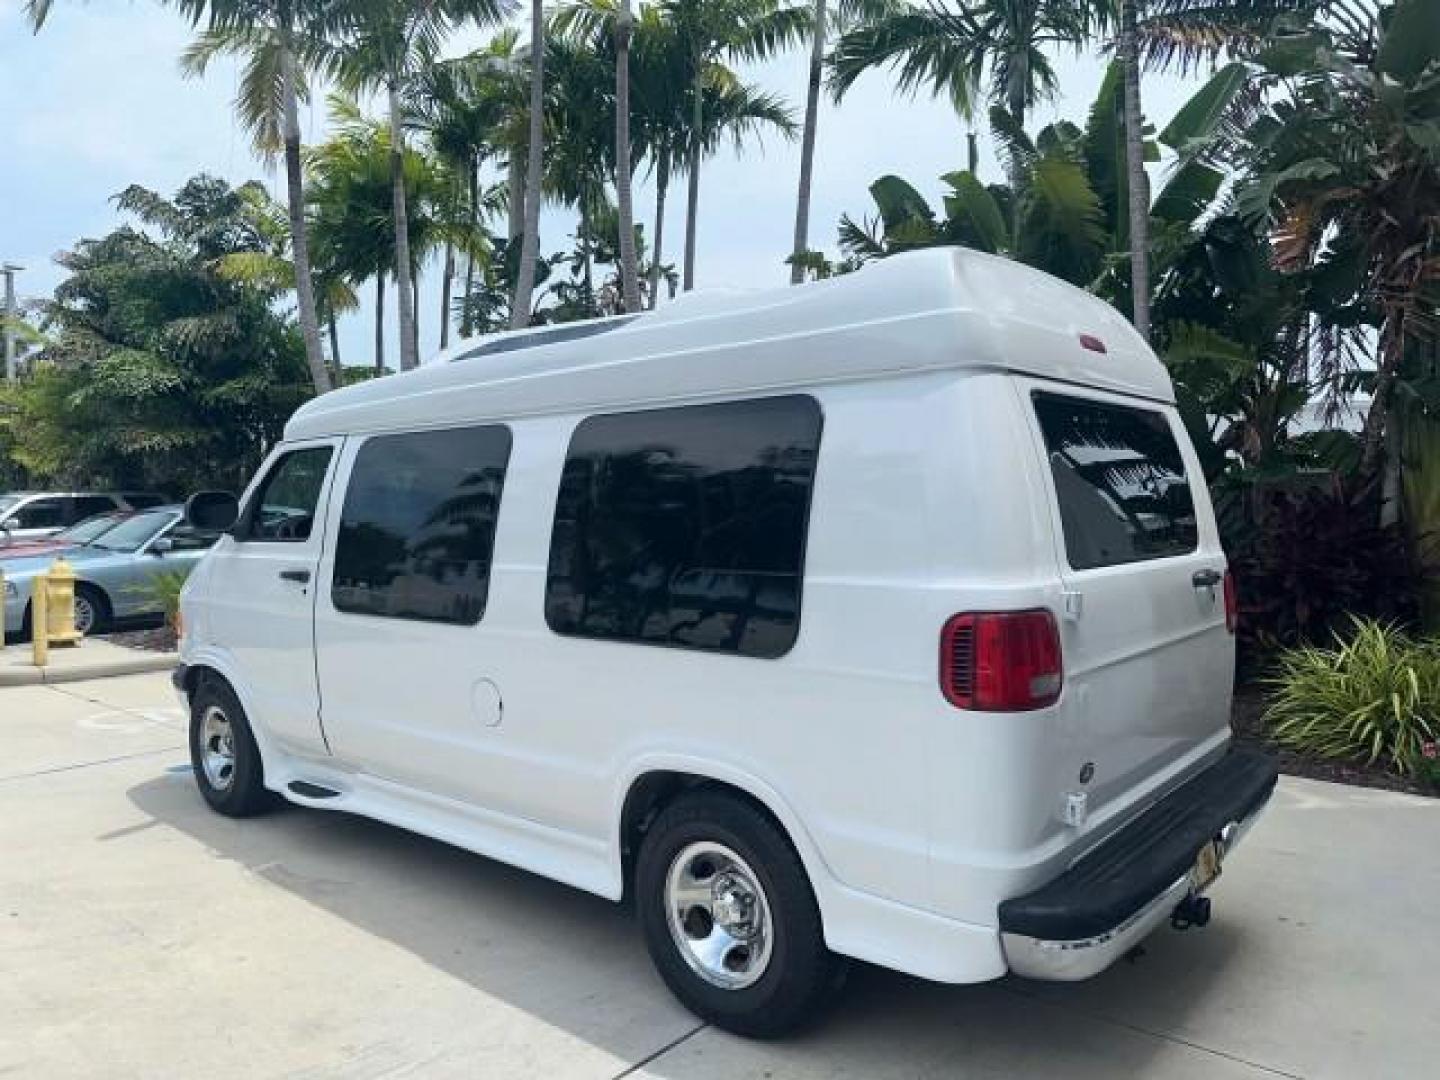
{"x":143,"y":936}
{"x":93,"y":658}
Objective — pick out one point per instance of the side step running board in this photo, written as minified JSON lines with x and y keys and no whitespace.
{"x":307,"y":790}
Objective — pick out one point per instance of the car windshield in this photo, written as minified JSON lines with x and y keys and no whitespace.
{"x":132,"y":533}
{"x":7,"y":501}
{"x":87,"y":531}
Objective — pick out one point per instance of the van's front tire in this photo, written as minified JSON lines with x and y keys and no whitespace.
{"x":227,"y":764}
{"x":730,"y":919}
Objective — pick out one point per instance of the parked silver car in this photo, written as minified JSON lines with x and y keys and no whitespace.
{"x":30,"y":515}
{"x":115,"y":569}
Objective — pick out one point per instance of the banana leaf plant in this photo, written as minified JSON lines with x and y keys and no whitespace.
{"x":1068,"y":196}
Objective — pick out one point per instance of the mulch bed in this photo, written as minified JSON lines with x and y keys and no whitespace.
{"x":1247,"y":718}
{"x":153,"y":639}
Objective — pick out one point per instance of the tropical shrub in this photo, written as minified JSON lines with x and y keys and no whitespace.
{"x":159,"y":371}
{"x":1373,"y":697}
{"x":1306,"y":561}
{"x":163,"y":590}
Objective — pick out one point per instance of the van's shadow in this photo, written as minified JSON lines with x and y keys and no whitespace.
{"x":577,"y":963}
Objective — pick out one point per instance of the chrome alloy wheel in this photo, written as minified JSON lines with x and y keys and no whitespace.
{"x":217,"y":748}
{"x":84,"y":614}
{"x":719,"y":916}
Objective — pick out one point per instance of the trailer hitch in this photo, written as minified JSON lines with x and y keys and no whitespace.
{"x":1193,"y":911}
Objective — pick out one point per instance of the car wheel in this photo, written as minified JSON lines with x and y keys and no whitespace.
{"x":223,"y":753}
{"x":729,"y":917}
{"x":92,"y":610}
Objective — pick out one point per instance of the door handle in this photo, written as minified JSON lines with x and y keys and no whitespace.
{"x":1205,"y":579}
{"x":302,"y":576}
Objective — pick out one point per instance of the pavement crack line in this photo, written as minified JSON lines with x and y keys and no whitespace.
{"x":88,"y":764}
{"x":671,"y":1045}
{"x":137,"y":713}
{"x":1140,"y":1030}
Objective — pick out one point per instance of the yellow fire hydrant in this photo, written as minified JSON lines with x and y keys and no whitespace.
{"x":52,"y":611}
{"x":62,"y":603}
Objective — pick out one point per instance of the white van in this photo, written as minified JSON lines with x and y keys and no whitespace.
{"x":883,"y":617}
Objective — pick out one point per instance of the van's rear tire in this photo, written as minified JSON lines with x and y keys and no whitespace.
{"x":730,"y":919}
{"x":227,"y":764}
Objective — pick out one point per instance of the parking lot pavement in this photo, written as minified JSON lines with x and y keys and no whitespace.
{"x":143,"y":936}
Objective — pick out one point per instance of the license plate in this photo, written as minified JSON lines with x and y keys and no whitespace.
{"x":1207,"y":866}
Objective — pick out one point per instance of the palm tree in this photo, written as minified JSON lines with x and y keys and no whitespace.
{"x":1177,"y":33}
{"x":352,"y":202}
{"x":624,"y":166}
{"x":580,"y":126}
{"x":465,"y":111}
{"x":386,"y":46}
{"x":1344,"y":173}
{"x":954,"y":49}
{"x":1137,"y":182}
{"x":846,"y":12}
{"x":710,"y":32}
{"x":530,"y":241}
{"x":653,"y":85}
{"x":275,"y":37}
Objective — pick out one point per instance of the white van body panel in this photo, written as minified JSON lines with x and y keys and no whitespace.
{"x":931,"y":496}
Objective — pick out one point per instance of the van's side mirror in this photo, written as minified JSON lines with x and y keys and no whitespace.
{"x":8,"y":525}
{"x":212,"y":511}
{"x":163,"y":546}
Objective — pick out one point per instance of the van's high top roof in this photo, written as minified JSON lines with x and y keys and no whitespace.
{"x":923,"y":311}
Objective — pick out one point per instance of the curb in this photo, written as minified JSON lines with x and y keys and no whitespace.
{"x":26,"y":675}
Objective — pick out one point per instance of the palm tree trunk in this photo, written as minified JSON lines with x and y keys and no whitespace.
{"x":692,"y":209}
{"x":335,"y":363}
{"x":380,"y":322}
{"x":299,"y":234}
{"x":629,"y":281}
{"x":447,"y":277}
{"x":409,"y":354}
{"x":807,"y":147}
{"x":1138,"y":183}
{"x":586,"y":250}
{"x":662,"y":183}
{"x":515,"y":196}
{"x":530,"y":245}
{"x":1016,"y":107}
{"x":467,"y":325}
{"x":415,"y":322}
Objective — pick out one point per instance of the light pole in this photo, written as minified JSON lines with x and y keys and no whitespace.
{"x":10,"y":270}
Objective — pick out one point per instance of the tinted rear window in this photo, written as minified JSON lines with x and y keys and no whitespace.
{"x":686,"y":526}
{"x":1119,"y":479}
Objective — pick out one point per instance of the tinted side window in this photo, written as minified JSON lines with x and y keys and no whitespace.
{"x":1120,"y":481}
{"x":418,"y":526}
{"x":283,"y":509}
{"x":42,"y":514}
{"x":88,"y":505}
{"x":686,"y":526}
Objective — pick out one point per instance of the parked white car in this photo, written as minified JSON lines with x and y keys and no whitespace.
{"x":34,"y":515}
{"x":883,"y":617}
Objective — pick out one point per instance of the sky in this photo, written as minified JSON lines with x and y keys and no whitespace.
{"x":96,"y":102}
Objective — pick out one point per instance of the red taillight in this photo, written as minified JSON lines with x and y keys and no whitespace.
{"x":1232,"y":603}
{"x":1001,"y":661}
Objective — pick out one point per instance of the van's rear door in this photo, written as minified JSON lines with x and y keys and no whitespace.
{"x":1148,"y":658}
